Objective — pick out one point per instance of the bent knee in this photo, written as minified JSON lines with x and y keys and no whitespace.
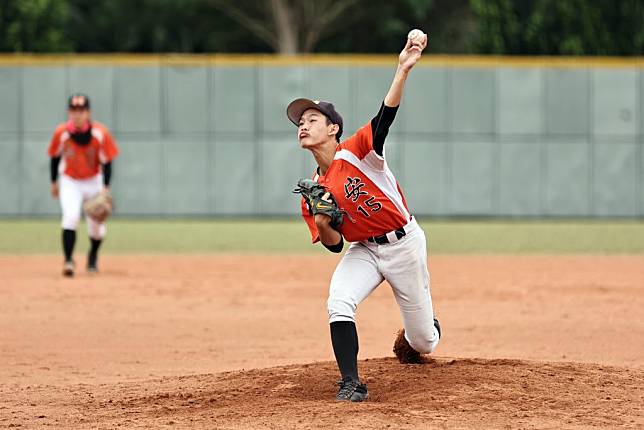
{"x":425,"y":344}
{"x":341,"y":309}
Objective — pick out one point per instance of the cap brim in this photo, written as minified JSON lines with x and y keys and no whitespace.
{"x":297,"y":107}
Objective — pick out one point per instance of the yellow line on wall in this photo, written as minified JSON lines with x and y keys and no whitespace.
{"x":336,"y":60}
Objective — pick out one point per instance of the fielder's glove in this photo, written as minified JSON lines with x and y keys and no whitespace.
{"x":99,"y":207}
{"x":319,"y":201}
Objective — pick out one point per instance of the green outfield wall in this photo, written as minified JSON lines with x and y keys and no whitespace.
{"x":208,"y":135}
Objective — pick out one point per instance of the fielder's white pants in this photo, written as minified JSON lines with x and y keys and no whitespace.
{"x":404,"y":265}
{"x":73,"y":192}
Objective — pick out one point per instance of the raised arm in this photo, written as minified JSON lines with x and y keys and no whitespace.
{"x":408,"y":57}
{"x":406,"y":60}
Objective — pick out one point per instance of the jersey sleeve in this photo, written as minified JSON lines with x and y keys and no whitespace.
{"x":56,"y":145}
{"x":361,"y":143}
{"x":361,"y":146}
{"x":310,"y":222}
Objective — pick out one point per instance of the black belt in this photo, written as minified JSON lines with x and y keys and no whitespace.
{"x":382,"y":239}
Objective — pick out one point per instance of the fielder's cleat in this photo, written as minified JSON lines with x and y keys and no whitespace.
{"x":92,"y":259}
{"x":403,"y":350}
{"x":68,"y":269}
{"x":351,"y":390}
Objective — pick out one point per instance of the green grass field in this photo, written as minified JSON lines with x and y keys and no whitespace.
{"x":180,"y":236}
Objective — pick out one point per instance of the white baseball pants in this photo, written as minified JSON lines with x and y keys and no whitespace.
{"x":73,"y":192}
{"x":404,"y":265}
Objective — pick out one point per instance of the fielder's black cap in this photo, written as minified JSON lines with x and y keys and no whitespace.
{"x":297,"y":107}
{"x":78,"y":101}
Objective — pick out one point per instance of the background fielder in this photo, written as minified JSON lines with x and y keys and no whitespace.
{"x":387,"y":243}
{"x":81,"y":150}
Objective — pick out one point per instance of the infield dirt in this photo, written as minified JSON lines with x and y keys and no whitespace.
{"x":242,"y":341}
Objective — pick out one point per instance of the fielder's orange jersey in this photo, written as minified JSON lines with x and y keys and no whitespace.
{"x":83,"y":161}
{"x":365,"y":188}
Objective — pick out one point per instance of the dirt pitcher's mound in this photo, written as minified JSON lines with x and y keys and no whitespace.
{"x":445,"y":393}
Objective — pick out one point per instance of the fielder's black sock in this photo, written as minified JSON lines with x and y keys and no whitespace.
{"x":69,"y":239}
{"x":93,"y":252}
{"x":344,"y":338}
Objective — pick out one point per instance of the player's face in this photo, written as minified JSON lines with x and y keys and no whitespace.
{"x":78,"y":116}
{"x":313,"y":129}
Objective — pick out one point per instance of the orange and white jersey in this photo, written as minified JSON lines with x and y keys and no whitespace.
{"x":365,"y":188}
{"x":83,"y":161}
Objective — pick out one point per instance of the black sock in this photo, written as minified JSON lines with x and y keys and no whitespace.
{"x":344,"y":338}
{"x":69,"y":239}
{"x":93,"y":251}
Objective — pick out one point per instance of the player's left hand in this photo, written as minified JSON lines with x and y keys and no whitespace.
{"x":411,"y":52}
{"x":320,"y":202}
{"x":54,"y":190}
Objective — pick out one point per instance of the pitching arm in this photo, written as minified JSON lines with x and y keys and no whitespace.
{"x":406,"y":60}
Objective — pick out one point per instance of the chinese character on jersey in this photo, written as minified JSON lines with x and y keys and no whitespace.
{"x":353,"y":191}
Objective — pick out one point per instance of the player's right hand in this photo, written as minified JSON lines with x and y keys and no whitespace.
{"x":411,"y":53}
{"x":54,"y":190}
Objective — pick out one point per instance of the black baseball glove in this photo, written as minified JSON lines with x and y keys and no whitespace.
{"x":320,"y":201}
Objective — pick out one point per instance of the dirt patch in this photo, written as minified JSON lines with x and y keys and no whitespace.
{"x":457,"y":393}
{"x":143,"y":344}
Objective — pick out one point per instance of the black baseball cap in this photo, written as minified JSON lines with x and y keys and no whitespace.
{"x":78,"y":101}
{"x":297,"y":107}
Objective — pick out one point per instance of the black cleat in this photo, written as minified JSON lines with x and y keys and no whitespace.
{"x":351,"y":390}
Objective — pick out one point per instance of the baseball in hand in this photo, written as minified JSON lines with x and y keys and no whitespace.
{"x":416,"y":36}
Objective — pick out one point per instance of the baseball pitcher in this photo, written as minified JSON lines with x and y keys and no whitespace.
{"x":354,"y":196}
{"x":82,"y":151}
